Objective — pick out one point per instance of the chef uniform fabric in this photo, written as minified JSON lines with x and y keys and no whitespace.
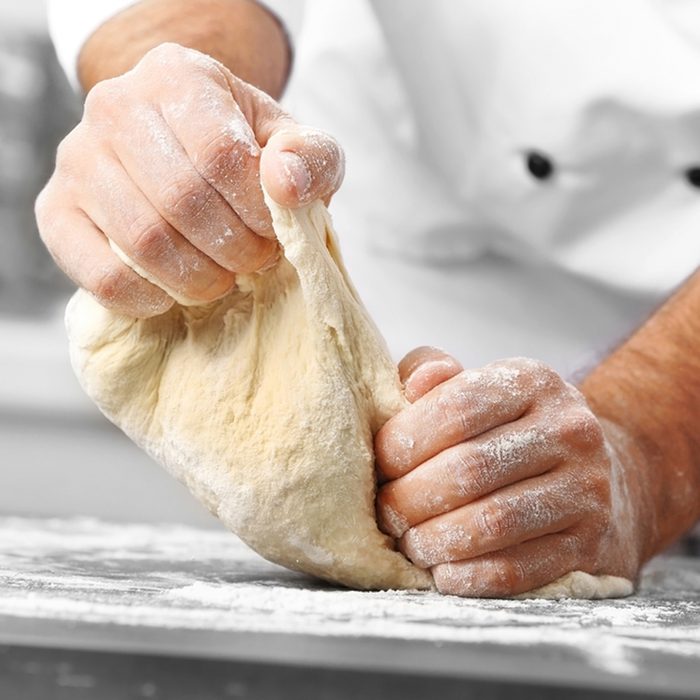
{"x":522,"y":178}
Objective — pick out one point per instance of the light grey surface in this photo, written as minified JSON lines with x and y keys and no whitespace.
{"x":178,"y":591}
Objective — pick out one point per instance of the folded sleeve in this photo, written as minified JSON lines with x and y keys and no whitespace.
{"x":71,"y":22}
{"x":290,"y":13}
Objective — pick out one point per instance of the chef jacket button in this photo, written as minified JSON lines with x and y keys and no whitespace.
{"x":692,"y":175}
{"x":540,"y":166}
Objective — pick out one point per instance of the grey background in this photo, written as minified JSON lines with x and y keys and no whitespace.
{"x":59,"y":456}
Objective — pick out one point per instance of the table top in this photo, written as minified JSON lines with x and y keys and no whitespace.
{"x":177,"y":591}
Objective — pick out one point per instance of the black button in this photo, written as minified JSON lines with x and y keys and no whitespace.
{"x":692,"y":175}
{"x":539,"y":165}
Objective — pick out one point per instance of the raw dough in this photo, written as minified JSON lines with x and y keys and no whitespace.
{"x":579,"y":584}
{"x":265,"y":403}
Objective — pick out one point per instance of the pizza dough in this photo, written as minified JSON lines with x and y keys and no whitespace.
{"x":579,"y":584}
{"x":265,"y":404}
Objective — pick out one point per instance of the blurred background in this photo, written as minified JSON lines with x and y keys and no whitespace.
{"x":59,"y":455}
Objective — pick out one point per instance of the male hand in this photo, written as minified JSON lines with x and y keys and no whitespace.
{"x":501,"y":479}
{"x":166,"y":163}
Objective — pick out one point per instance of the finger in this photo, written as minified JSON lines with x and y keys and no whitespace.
{"x":459,"y":409}
{"x":222,"y":148}
{"x":189,"y":199}
{"x":512,"y":571}
{"x":83,"y":253}
{"x":221,"y":141}
{"x":424,"y":368}
{"x":122,"y":211}
{"x":300,"y":165}
{"x":518,"y":513}
{"x":463,"y":473}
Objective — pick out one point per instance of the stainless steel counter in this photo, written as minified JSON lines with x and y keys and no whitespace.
{"x":71,"y":588}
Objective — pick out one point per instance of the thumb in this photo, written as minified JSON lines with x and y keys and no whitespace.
{"x":299,"y":165}
{"x":424,"y":368}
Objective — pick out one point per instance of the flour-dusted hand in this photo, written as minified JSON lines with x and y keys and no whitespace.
{"x":166,"y":164}
{"x":502,"y":480}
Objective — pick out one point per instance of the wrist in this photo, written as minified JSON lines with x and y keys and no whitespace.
{"x":662,"y":482}
{"x":632,"y":494}
{"x":241,"y":34}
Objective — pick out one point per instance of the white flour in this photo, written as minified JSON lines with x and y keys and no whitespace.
{"x":178,"y":578}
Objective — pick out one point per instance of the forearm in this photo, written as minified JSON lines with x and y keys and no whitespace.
{"x":241,"y":34}
{"x":650,"y":387}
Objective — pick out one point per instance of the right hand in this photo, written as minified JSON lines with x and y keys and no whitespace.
{"x":166,"y":163}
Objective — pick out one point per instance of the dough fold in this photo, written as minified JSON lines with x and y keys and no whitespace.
{"x":265,"y":403}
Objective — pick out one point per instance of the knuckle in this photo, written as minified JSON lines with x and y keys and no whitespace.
{"x":184,"y":198}
{"x":217,"y":285}
{"x":533,"y":373}
{"x":42,"y":212}
{"x":168,"y":49}
{"x":49,"y":211}
{"x":248,"y":252}
{"x":168,"y":53}
{"x":573,"y":546}
{"x":108,"y":283}
{"x":447,"y":581}
{"x":226,"y":154}
{"x":149,"y":239}
{"x":103,"y":96}
{"x":70,"y":150}
{"x":495,"y":522}
{"x":581,"y":429}
{"x":448,"y":408}
{"x":506,"y":575}
{"x":65,"y":148}
{"x":545,"y":377}
{"x":468,"y":470}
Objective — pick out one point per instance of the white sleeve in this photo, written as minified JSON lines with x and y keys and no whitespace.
{"x":71,"y":22}
{"x":289,"y":12}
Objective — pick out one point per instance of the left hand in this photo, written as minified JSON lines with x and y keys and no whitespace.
{"x":502,"y":479}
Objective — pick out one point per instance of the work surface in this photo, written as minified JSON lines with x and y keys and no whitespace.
{"x":175,"y":591}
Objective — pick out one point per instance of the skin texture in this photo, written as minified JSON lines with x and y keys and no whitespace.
{"x":498,"y":479}
{"x":504,"y":478}
{"x":191,"y":213}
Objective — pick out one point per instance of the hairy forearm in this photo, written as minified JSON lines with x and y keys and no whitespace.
{"x":650,"y":387}
{"x":241,"y":34}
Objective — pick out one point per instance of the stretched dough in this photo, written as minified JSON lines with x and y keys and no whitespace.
{"x":265,"y":404}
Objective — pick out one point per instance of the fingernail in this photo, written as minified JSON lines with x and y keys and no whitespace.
{"x":296,"y":172}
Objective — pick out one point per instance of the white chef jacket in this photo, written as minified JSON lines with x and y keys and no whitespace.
{"x":520,"y":176}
